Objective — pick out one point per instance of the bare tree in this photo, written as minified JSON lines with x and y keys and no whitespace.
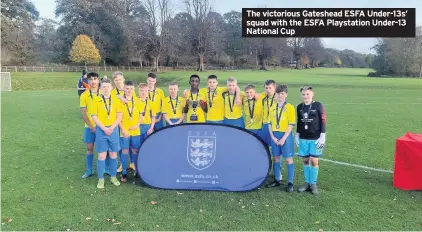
{"x":158,"y":17}
{"x":201,"y":28}
{"x":297,"y":48}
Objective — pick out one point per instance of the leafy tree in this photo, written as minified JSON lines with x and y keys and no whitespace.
{"x":84,"y":51}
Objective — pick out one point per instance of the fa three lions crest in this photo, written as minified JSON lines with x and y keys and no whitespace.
{"x":201,"y":149}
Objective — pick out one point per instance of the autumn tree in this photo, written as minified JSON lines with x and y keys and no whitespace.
{"x":84,"y":51}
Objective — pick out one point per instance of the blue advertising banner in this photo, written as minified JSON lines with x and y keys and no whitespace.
{"x":204,"y":157}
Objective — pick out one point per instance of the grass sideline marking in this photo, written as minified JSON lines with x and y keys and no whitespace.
{"x":357,"y":166}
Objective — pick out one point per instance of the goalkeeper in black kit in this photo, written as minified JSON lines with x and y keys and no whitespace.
{"x":310,"y":137}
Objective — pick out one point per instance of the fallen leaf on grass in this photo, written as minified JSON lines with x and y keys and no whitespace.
{"x":320,"y":230}
{"x":153,"y":202}
{"x":117,"y":223}
{"x":317,"y":222}
{"x":88,"y":218}
{"x":200,"y":210}
{"x":243,"y":206}
{"x":179,"y":193}
{"x":132,"y":225}
{"x":113,"y":220}
{"x":108,"y":219}
{"x":267,"y":205}
{"x":157,"y":226}
{"x":9,"y":220}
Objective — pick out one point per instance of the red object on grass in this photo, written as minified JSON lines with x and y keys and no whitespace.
{"x":408,"y":162}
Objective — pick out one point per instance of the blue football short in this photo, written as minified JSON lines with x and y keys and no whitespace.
{"x":104,"y":143}
{"x":159,"y":124}
{"x":144,"y":129}
{"x":287,"y":150}
{"x":215,"y":122}
{"x":239,"y":122}
{"x":265,"y":134}
{"x":309,"y":148}
{"x":133,"y":142}
{"x":89,"y":137}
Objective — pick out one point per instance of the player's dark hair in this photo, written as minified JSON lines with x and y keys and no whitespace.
{"x":129,"y":83}
{"x":212,"y":77}
{"x":281,"y":88}
{"x":270,"y":82}
{"x":305,"y":87}
{"x":152,"y":75}
{"x":194,"y":76}
{"x":92,"y":74}
{"x":249,"y":86}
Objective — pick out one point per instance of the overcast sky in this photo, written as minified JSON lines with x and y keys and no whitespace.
{"x":47,"y":8}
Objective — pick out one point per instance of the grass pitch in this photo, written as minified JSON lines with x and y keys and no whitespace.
{"x":43,"y":158}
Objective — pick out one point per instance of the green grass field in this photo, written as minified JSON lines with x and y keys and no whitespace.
{"x":43,"y":158}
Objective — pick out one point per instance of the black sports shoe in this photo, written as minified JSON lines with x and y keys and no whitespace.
{"x":289,"y":188}
{"x":314,"y":189}
{"x":273,"y":184}
{"x":304,"y":187}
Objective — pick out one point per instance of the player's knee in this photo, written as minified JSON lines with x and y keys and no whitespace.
{"x":306,"y":161}
{"x":113,"y":155}
{"x":135,"y":151}
{"x":125,"y":151}
{"x":276,"y":159}
{"x":289,"y":160}
{"x":314,"y":161}
{"x":102,"y":155}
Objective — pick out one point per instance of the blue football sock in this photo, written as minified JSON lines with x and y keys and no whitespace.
{"x":290,"y":172}
{"x":89,"y":160}
{"x":306,"y":172}
{"x":120,"y":155}
{"x":100,"y":169}
{"x":133,"y":158}
{"x":107,"y":162}
{"x":124,"y":160}
{"x":113,"y":167}
{"x":314,"y":175}
{"x":276,"y":170}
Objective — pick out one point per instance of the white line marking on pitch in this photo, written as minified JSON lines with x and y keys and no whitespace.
{"x":357,"y":166}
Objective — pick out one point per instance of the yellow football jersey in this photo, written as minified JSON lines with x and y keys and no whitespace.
{"x":147,"y":111}
{"x":253,"y":112}
{"x":85,"y":101}
{"x":173,"y":107}
{"x":156,"y":97}
{"x":281,"y":117}
{"x":215,"y":102}
{"x":268,"y":103}
{"x":131,"y":114}
{"x":106,"y":109}
{"x":231,"y":110}
{"x":198,"y":110}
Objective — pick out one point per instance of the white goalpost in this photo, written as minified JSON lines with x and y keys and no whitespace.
{"x":5,"y":81}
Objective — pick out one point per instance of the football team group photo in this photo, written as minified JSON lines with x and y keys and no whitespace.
{"x":120,"y":114}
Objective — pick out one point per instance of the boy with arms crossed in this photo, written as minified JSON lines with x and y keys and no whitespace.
{"x":233,"y":113}
{"x":85,"y":100}
{"x":148,"y":117}
{"x":252,"y":106}
{"x":173,"y":106}
{"x":282,"y":119}
{"x":195,"y":106}
{"x":155,"y":95}
{"x":106,"y":111}
{"x":129,"y":127}
{"x":310,"y":137}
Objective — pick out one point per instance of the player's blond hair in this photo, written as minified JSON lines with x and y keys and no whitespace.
{"x":117,"y":73}
{"x":250,"y":86}
{"x":142,"y":85}
{"x":231,"y":79}
{"x":174,"y":83}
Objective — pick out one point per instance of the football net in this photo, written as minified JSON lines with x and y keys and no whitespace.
{"x":5,"y":81}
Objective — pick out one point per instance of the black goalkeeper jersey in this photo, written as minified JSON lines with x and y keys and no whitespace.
{"x":311,"y":120}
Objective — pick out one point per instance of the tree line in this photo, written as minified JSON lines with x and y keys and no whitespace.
{"x":149,"y":33}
